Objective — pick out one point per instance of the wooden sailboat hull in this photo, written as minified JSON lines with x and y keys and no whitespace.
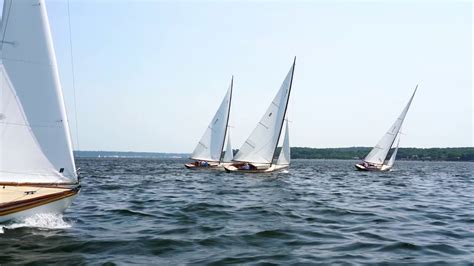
{"x":210,"y":167}
{"x":383,"y":168}
{"x":22,"y":201}
{"x":273,"y":168}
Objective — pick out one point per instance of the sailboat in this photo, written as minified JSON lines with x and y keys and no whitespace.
{"x":257,"y":153}
{"x":208,"y":151}
{"x":37,"y":169}
{"x":376,"y":160}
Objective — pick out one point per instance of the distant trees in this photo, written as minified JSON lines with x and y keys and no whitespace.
{"x":429,"y":154}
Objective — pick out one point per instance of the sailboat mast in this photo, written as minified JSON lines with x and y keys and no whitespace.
{"x":228,"y":115}
{"x":286,"y":107}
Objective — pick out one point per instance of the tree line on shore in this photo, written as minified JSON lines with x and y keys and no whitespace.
{"x":421,"y":154}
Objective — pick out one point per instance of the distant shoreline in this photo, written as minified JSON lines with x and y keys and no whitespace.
{"x":462,"y":154}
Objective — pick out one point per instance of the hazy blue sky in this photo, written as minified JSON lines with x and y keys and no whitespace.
{"x":151,"y":74}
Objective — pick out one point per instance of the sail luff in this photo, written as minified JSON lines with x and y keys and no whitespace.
{"x":379,"y":153}
{"x":285,"y":153}
{"x":228,"y":116}
{"x":286,"y":107}
{"x":394,"y":155}
{"x":229,"y":154}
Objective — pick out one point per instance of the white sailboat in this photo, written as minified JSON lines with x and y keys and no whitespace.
{"x":208,"y":151}
{"x":376,"y":160}
{"x":37,"y":169}
{"x":257,"y":153}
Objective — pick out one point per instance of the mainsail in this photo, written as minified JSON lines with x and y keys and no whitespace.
{"x":284,"y":158}
{"x":379,"y":153}
{"x":211,"y":144}
{"x":35,"y":142}
{"x":229,"y":154}
{"x":261,"y":145}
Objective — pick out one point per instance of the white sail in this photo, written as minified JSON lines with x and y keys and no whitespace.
{"x":229,"y":154}
{"x":284,"y":158}
{"x":35,"y":141}
{"x":379,"y":153}
{"x":261,"y":145}
{"x":211,"y":144}
{"x":394,"y":155}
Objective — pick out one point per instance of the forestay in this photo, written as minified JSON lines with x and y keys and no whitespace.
{"x":379,"y":153}
{"x":35,"y":142}
{"x":261,"y":145}
{"x":284,"y":158}
{"x":211,"y":144}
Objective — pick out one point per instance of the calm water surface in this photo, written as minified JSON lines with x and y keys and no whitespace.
{"x":322,"y":211}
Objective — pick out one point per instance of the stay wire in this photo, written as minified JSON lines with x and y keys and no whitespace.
{"x":73,"y":74}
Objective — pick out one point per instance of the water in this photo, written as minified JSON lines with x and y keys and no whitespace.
{"x":155,"y":211}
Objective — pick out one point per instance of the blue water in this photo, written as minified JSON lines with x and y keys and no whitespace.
{"x":322,"y":211}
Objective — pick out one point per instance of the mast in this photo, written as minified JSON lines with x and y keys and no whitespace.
{"x":286,"y":107}
{"x":228,"y":115}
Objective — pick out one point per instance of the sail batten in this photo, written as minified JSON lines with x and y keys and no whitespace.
{"x":40,"y":150}
{"x":260,"y":147}
{"x":379,"y":153}
{"x":210,"y":147}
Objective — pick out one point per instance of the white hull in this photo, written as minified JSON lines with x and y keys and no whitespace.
{"x":382,"y":168}
{"x":270,"y":169}
{"x":58,"y":206}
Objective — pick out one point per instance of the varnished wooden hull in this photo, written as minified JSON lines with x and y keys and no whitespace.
{"x":34,"y":200}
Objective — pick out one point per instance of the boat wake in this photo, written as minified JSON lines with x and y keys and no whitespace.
{"x":41,"y":221}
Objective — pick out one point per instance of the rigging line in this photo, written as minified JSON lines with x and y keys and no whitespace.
{"x":73,"y":74}
{"x":6,"y":23}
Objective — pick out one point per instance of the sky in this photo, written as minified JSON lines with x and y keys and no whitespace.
{"x":149,"y":75}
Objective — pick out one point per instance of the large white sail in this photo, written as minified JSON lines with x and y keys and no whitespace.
{"x":394,"y":155}
{"x":284,"y":158}
{"x":261,"y":145}
{"x":379,"y":153}
{"x":229,"y":154}
{"x":211,"y":144}
{"x":35,"y":141}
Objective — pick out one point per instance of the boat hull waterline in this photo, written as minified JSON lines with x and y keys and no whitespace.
{"x":273,"y":168}
{"x":210,"y":167}
{"x":383,"y":168}
{"x":55,"y":203}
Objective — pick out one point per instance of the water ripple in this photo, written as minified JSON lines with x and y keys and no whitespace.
{"x":151,"y":211}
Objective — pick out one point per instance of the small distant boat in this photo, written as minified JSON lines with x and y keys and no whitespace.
{"x":376,"y":160}
{"x":257,"y":153}
{"x":208,"y":152}
{"x":37,"y":169}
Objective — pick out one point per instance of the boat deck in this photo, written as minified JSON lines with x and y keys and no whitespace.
{"x":9,"y":194}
